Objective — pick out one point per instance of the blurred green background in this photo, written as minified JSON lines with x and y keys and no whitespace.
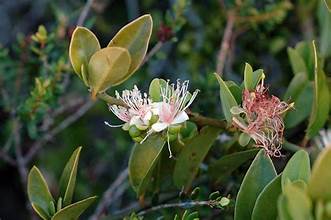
{"x":261,"y":34}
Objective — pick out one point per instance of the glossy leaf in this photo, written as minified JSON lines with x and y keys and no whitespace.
{"x":108,"y":67}
{"x":135,"y":38}
{"x":143,"y":160}
{"x":297,"y":62}
{"x":73,"y":211}
{"x":297,"y":168}
{"x":320,"y":181}
{"x":83,"y":45}
{"x":297,"y":204}
{"x":266,"y":202}
{"x":236,"y":90}
{"x":300,"y":91}
{"x":38,"y":192}
{"x":68,"y":178}
{"x":227,"y":99}
{"x":251,"y":79}
{"x":259,"y":174}
{"x":227,"y":164}
{"x":320,"y":108}
{"x":192,"y":155}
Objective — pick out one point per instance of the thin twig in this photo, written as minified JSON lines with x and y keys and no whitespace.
{"x":225,"y":42}
{"x":63,"y":125}
{"x":84,"y":13}
{"x":190,"y":204}
{"x":153,"y":51}
{"x":108,"y":196}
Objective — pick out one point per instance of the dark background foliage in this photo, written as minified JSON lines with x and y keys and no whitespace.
{"x":189,"y":53}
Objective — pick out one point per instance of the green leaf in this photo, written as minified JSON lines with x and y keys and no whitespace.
{"x":73,"y":211}
{"x":251,"y":79}
{"x":192,"y":155}
{"x":227,"y":164}
{"x":155,"y":89}
{"x":108,"y":67}
{"x":267,"y":201}
{"x":236,"y":90}
{"x":135,"y":38}
{"x":227,"y":99}
{"x":142,"y":162}
{"x":328,"y":4}
{"x":68,"y":178}
{"x":282,"y":209}
{"x":297,"y":204}
{"x":83,"y":45}
{"x":324,"y":20}
{"x":38,"y":193}
{"x":297,"y":62}
{"x":259,"y":174}
{"x":300,"y":91}
{"x":320,"y":181}
{"x":320,"y":108}
{"x":297,"y":168}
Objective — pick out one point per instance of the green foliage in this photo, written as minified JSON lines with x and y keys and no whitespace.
{"x":42,"y":200}
{"x":193,"y":153}
{"x":259,"y":174}
{"x":252,"y":78}
{"x":143,"y":159}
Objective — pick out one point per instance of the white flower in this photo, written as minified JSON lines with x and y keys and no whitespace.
{"x":138,"y":111}
{"x":175,"y":101}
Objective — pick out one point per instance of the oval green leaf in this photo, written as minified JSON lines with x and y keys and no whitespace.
{"x":320,"y":181}
{"x":251,"y":79}
{"x":108,"y":67}
{"x":265,"y":204}
{"x":227,"y":164}
{"x":38,"y":193}
{"x":193,"y":153}
{"x":297,"y":168}
{"x":142,"y":162}
{"x":83,"y":45}
{"x":73,"y":211}
{"x":259,"y":174}
{"x":227,"y":99}
{"x":135,"y":38}
{"x":68,"y":178}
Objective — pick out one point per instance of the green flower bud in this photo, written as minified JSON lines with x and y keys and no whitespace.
{"x":134,"y":131}
{"x":174,"y":129}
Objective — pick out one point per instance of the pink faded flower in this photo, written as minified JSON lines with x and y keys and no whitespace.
{"x":138,"y":111}
{"x":262,"y":119}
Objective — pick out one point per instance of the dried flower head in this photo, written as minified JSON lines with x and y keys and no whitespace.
{"x":262,"y":119}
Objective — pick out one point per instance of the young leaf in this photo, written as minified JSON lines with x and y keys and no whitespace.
{"x":297,"y":203}
{"x":83,"y":45}
{"x":155,"y":89}
{"x":227,"y":99}
{"x":108,"y":67}
{"x":38,"y":193}
{"x":251,"y":79}
{"x":73,"y":211}
{"x":227,"y":164}
{"x":190,"y":158}
{"x":142,"y":161}
{"x":259,"y":174}
{"x":266,"y":202}
{"x":320,"y":110}
{"x":320,"y":181}
{"x":297,"y":168}
{"x":135,"y":38}
{"x":68,"y":178}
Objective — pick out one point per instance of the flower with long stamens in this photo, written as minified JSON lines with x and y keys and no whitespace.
{"x":171,"y":110}
{"x":262,"y":119}
{"x":138,"y":111}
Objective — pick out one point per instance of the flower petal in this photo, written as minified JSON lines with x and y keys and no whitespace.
{"x":180,"y":118}
{"x":159,"y":126}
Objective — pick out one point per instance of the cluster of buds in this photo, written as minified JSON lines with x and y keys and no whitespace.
{"x":261,"y":118}
{"x":142,"y":117}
